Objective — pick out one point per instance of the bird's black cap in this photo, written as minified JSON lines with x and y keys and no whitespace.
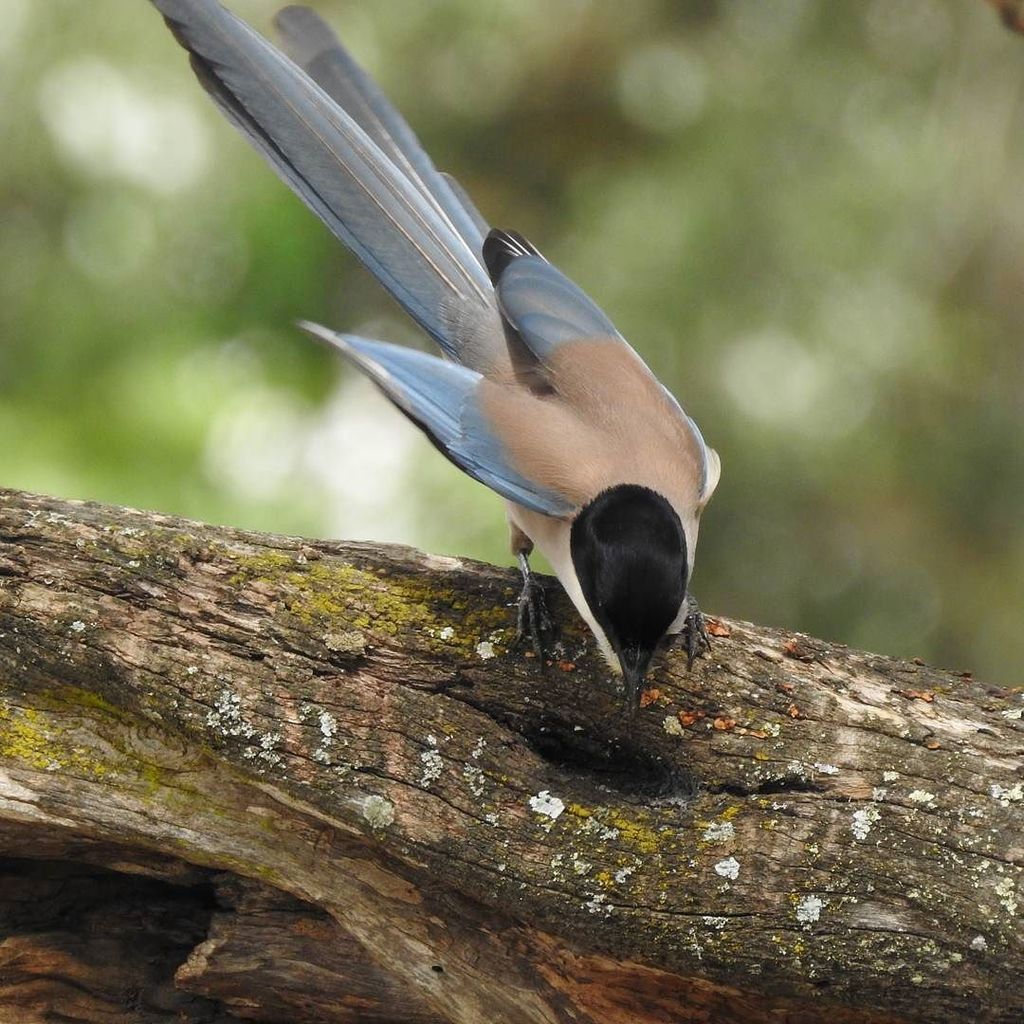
{"x":629,"y":552}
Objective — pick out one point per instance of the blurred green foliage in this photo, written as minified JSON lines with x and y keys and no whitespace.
{"x":806,"y":216}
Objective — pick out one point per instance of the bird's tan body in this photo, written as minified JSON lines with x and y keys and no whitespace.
{"x":602,"y":398}
{"x":539,"y":397}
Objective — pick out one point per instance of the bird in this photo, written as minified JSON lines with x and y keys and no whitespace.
{"x":535,"y":394}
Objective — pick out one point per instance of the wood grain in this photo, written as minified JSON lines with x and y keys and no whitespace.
{"x":793,"y":831}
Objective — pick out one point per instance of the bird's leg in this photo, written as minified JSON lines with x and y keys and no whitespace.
{"x":532,"y":619}
{"x":694,"y":632}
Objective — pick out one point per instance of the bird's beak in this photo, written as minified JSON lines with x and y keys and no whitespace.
{"x":634,"y":662}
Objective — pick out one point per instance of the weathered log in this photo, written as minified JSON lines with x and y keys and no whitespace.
{"x":792,"y":830}
{"x":271,"y":957}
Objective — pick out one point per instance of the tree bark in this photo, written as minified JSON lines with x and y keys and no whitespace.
{"x":257,"y":777}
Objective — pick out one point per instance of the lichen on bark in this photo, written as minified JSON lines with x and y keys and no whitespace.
{"x":792,"y":827}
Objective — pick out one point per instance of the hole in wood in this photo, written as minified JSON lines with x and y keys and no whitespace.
{"x":611,"y":764}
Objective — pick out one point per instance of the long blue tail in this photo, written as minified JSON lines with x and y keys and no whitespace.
{"x":361,"y":171}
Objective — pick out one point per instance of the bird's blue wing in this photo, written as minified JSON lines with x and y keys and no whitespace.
{"x":546,"y":311}
{"x":443,"y":399}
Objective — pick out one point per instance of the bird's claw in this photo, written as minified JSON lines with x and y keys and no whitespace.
{"x":532,"y":619}
{"x":695,"y":635}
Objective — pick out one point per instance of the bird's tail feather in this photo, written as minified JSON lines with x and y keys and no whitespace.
{"x":406,"y":226}
{"x":311,"y":43}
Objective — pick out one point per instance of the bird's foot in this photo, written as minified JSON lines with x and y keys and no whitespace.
{"x":694,"y":633}
{"x":532,"y":619}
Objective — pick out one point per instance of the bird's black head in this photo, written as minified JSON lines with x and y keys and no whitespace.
{"x":629,"y":553}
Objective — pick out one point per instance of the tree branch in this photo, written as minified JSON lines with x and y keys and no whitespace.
{"x":791,"y":828}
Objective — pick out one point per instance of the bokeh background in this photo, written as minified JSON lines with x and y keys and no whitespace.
{"x":808,"y":217}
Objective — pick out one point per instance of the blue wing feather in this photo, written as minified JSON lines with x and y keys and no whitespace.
{"x":442,"y":399}
{"x":547,"y":310}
